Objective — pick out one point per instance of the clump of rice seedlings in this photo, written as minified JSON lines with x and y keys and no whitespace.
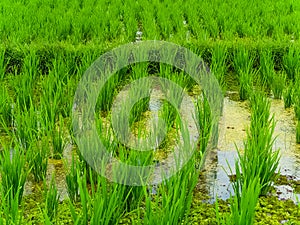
{"x":3,"y":63}
{"x":5,"y":107}
{"x":57,"y":138}
{"x":51,"y":200}
{"x":245,"y":85}
{"x":107,"y":93}
{"x":37,"y":155}
{"x":259,"y":159}
{"x":169,"y":114}
{"x":267,"y":68}
{"x":298,"y":132}
{"x":103,"y":205}
{"x":31,"y":65}
{"x":49,"y":101}
{"x":287,"y":96}
{"x":139,"y":70}
{"x":291,"y":63}
{"x":296,"y":100}
{"x":172,"y":201}
{"x":83,"y":216}
{"x":204,"y":125}
{"x":218,"y":63}
{"x":141,"y":92}
{"x":278,"y":85}
{"x":108,"y":202}
{"x":243,"y":64}
{"x":26,"y":124}
{"x":13,"y":172}
{"x":72,"y":181}
{"x":10,"y":210}
{"x":23,"y":86}
{"x":244,"y":202}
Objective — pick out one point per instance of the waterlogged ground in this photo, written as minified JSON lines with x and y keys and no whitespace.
{"x":233,"y":126}
{"x":277,"y":208}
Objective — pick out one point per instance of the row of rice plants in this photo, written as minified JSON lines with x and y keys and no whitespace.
{"x":117,"y":22}
{"x":256,"y":169}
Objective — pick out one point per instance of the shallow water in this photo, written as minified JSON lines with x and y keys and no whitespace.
{"x":233,"y":125}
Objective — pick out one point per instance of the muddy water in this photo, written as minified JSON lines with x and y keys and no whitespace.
{"x":233,"y":126}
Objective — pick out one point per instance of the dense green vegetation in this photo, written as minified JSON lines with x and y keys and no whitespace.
{"x":46,"y":46}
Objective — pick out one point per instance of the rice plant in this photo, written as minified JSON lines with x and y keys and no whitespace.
{"x":218,"y":64}
{"x":37,"y":154}
{"x":72,"y":181}
{"x":57,"y":138}
{"x":13,"y":172}
{"x":5,"y":107}
{"x":267,"y":69}
{"x":172,"y":202}
{"x":26,"y":124}
{"x":31,"y":65}
{"x":51,"y":199}
{"x":4,"y":61}
{"x":296,"y":100}
{"x":298,"y":132}
{"x":291,"y":63}
{"x":244,"y":201}
{"x":108,"y":202}
{"x":23,"y":85}
{"x":104,"y":205}
{"x":83,"y":217}
{"x":204,"y":124}
{"x":259,"y":159}
{"x":278,"y":85}
{"x":243,"y":64}
{"x":10,"y":210}
{"x":287,"y":96}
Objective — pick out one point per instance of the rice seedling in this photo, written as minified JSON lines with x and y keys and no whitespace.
{"x":103,"y":205}
{"x":51,"y":199}
{"x":278,"y":85}
{"x":23,"y":86}
{"x":26,"y":124}
{"x":31,"y":65}
{"x":5,"y":107}
{"x":204,"y":125}
{"x":172,"y":202}
{"x":83,"y":217}
{"x":259,"y":159}
{"x":45,"y":49}
{"x":107,"y":94}
{"x":296,"y":100}
{"x":291,"y":63}
{"x":267,"y":69}
{"x":243,"y":64}
{"x":10,"y":210}
{"x":72,"y":181}
{"x":37,"y":154}
{"x":4,"y":61}
{"x":287,"y":96}
{"x":298,"y":132}
{"x":244,"y":202}
{"x":108,"y":202}
{"x":169,"y":114}
{"x":57,"y":138}
{"x":13,"y":172}
{"x":218,"y":63}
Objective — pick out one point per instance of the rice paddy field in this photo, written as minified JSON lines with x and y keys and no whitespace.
{"x":246,"y":165}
